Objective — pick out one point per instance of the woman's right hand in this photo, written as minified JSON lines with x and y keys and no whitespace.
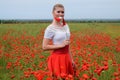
{"x":66,"y":42}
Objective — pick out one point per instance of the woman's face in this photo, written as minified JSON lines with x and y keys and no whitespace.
{"x":58,"y":12}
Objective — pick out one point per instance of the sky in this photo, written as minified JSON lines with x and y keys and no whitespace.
{"x":74,"y":9}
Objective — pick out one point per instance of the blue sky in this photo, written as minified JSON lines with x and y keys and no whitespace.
{"x":74,"y":9}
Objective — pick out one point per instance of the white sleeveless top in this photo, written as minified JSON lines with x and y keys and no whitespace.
{"x":57,"y":34}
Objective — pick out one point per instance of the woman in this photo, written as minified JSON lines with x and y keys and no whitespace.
{"x":60,"y":62}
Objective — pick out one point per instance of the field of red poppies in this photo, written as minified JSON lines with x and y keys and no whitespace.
{"x":95,"y":48}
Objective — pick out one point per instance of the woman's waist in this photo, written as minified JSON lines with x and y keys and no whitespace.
{"x":62,"y":50}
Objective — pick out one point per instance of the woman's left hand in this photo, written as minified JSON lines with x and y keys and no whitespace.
{"x":73,"y":64}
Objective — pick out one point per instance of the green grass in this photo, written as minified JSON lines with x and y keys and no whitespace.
{"x":30,"y":29}
{"x":112,"y":29}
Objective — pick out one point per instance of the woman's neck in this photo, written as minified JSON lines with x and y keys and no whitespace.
{"x":56,"y":23}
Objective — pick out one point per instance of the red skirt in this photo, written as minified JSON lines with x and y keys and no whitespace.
{"x":59,"y":62}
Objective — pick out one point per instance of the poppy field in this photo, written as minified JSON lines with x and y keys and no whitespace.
{"x":95,"y":48}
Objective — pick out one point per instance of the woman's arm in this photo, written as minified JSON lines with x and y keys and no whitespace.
{"x":73,"y":63}
{"x":47,"y":46}
{"x":70,"y":55}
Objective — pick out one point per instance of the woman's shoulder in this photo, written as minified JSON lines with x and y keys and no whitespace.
{"x":50,"y":28}
{"x":66,"y":26}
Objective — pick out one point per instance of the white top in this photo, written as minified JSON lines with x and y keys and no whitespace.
{"x":57,"y":34}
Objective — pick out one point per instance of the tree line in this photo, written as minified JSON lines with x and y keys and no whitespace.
{"x":47,"y":21}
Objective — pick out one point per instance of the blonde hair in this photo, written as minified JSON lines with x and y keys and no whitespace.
{"x":58,"y":5}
